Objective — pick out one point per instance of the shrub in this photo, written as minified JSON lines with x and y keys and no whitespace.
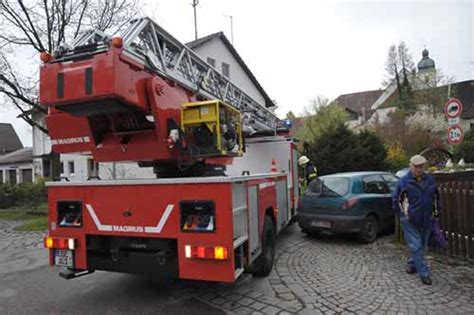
{"x":465,"y":150}
{"x":341,"y":150}
{"x":29,"y":195}
{"x":396,"y":157}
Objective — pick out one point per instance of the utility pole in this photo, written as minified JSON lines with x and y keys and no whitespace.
{"x":195,"y":4}
{"x":232,"y":30}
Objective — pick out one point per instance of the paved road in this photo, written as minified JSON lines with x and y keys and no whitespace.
{"x":333,"y":275}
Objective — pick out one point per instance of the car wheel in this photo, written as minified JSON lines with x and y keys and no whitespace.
{"x":264,"y":263}
{"x":369,"y":230}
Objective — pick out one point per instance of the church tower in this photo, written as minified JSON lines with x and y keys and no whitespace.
{"x":427,"y":69}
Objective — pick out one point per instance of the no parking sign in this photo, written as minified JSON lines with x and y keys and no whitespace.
{"x":453,"y":110}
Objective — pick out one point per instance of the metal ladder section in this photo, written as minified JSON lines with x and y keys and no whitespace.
{"x":161,"y":53}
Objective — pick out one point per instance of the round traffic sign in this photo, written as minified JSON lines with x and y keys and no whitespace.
{"x":453,"y":108}
{"x":455,"y":134}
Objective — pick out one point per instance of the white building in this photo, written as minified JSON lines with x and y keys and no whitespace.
{"x":16,"y":162}
{"x":17,"y":167}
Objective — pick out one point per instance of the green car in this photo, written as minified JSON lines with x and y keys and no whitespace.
{"x":359,"y":202}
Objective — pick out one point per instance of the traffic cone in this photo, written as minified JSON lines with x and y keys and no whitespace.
{"x":273,"y":169}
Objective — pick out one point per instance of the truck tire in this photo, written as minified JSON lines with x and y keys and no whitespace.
{"x":369,"y":230}
{"x":263,"y":265}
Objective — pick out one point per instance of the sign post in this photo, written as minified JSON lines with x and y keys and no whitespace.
{"x":453,"y":110}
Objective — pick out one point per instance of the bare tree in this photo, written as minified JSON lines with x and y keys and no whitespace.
{"x":399,"y":67}
{"x":41,"y":26}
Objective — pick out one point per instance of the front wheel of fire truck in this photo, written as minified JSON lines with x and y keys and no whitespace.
{"x":264,"y":263}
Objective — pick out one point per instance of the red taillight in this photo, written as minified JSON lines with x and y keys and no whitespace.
{"x":350,"y":203}
{"x":203,"y":252}
{"x":59,"y":242}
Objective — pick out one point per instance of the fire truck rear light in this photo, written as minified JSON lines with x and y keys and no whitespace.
{"x":48,"y":242}
{"x":71,"y":244}
{"x":59,"y":243}
{"x":203,"y":252}
{"x":187,"y":251}
{"x":220,"y":253}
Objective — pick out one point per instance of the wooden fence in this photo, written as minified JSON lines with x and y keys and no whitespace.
{"x":457,"y":218}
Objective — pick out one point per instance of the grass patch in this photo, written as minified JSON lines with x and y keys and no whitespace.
{"x":38,"y":224}
{"x":33,"y":221}
{"x":17,"y":215}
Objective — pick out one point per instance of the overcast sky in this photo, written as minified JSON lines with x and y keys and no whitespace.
{"x":300,"y":49}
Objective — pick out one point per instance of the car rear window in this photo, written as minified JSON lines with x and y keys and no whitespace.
{"x":330,"y":187}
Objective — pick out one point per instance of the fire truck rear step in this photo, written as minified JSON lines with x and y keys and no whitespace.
{"x":69,"y":274}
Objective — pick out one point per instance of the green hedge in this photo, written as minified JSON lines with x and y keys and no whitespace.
{"x":29,"y":195}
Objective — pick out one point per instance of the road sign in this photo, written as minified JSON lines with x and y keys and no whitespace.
{"x":453,"y":108}
{"x":455,"y":134}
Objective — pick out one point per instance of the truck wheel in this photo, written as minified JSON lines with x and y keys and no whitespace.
{"x":264,"y":263}
{"x":368,"y":234}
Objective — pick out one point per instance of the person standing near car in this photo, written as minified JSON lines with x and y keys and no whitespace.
{"x":415,"y":201}
{"x":310,"y":171}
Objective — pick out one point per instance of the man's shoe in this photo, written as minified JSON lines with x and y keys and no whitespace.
{"x":426,"y":280}
{"x":411,"y":269}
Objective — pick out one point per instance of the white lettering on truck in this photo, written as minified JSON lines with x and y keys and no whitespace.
{"x":74,"y":140}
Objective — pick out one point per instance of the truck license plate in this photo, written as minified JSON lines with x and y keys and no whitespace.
{"x":63,"y":258}
{"x":322,"y":224}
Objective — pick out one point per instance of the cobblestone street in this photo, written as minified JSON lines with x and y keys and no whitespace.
{"x":337,"y":275}
{"x":330,"y":275}
{"x":11,"y":240}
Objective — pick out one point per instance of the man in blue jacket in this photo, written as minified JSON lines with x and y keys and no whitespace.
{"x":416,"y":202}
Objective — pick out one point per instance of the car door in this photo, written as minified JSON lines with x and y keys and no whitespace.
{"x":377,"y":195}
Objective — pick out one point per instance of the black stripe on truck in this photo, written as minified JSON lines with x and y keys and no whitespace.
{"x":60,"y":87}
{"x":88,"y":81}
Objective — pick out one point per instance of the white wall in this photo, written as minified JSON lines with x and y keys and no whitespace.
{"x":81,"y":172}
{"x":110,"y":170}
{"x":217,"y":50}
{"x":41,"y":141}
{"x":122,"y":170}
{"x":380,"y":115}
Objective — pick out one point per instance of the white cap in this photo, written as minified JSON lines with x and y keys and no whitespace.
{"x":303,"y":160}
{"x":417,"y":160}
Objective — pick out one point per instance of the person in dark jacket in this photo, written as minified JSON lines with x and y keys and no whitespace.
{"x":309,"y":170}
{"x":416,"y":201}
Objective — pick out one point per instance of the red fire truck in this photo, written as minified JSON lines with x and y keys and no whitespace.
{"x":226,"y":176}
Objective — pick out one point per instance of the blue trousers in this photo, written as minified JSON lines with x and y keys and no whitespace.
{"x":417,"y":241}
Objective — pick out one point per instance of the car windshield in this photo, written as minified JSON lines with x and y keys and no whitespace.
{"x":330,"y":187}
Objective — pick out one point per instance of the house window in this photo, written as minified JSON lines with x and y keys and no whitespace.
{"x":226,"y":69}
{"x":27,"y":175}
{"x":211,"y":61}
{"x":1,"y":176}
{"x":92,"y":168}
{"x":70,"y":166}
{"x":12,"y":177}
